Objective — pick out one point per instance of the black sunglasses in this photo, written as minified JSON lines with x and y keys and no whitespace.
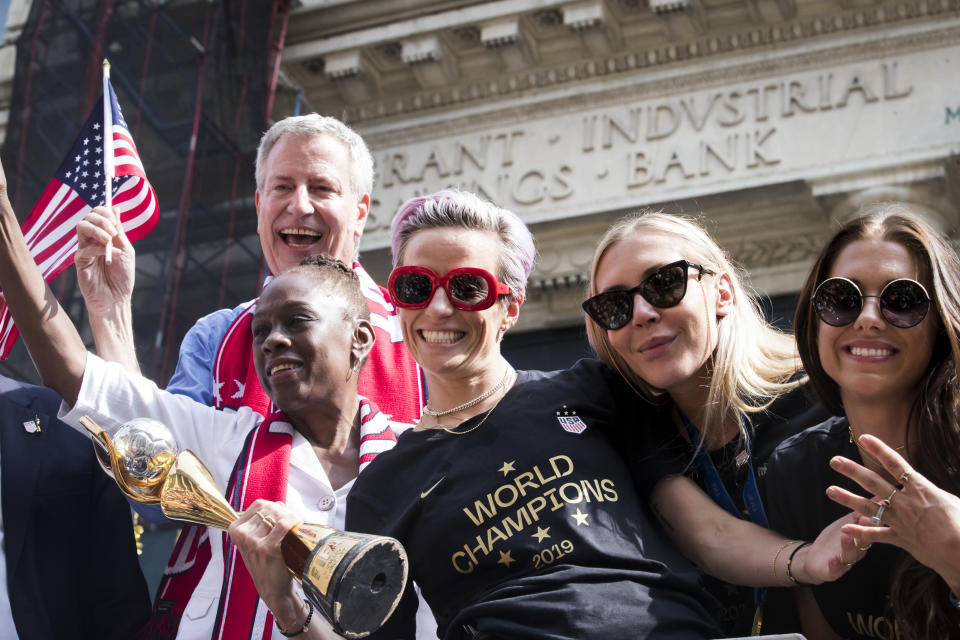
{"x":903,"y":302}
{"x":664,"y":288}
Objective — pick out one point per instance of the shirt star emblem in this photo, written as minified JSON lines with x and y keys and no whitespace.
{"x":580,"y":517}
{"x":507,"y":467}
{"x":240,"y":387}
{"x":506,"y":558}
{"x":542,"y":532}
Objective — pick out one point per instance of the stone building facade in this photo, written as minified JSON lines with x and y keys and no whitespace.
{"x":771,"y":119}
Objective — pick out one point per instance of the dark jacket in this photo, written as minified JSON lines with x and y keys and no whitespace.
{"x":72,"y":569}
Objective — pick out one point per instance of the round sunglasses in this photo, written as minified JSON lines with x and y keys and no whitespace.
{"x":903,"y":302}
{"x":468,"y":288}
{"x":664,"y":288}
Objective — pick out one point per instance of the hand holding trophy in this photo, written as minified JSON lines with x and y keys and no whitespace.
{"x":354,"y":579}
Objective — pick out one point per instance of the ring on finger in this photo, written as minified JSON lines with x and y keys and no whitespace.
{"x":904,"y":478}
{"x":267,"y":519}
{"x":889,"y":500}
{"x":877,"y":520}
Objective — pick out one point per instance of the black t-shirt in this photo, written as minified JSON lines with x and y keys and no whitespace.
{"x":529,"y":526}
{"x":657,"y":449}
{"x":797,"y":477}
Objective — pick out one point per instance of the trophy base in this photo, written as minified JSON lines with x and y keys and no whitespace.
{"x":356,"y":580}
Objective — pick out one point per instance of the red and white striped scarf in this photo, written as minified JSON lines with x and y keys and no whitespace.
{"x":261,"y":471}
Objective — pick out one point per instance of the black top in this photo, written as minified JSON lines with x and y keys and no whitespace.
{"x":799,"y":474}
{"x":658,"y":450}
{"x":529,"y":526}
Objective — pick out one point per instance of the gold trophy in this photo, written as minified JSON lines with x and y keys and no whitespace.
{"x":355,"y":580}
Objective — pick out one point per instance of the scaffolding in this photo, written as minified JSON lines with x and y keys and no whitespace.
{"x":196,"y":81}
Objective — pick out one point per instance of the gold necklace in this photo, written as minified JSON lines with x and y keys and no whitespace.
{"x":466,"y":405}
{"x":479,"y":424}
{"x":855,"y":440}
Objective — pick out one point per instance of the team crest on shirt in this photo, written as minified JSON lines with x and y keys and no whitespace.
{"x":570,"y":421}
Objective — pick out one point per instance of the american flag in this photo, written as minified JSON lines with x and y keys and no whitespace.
{"x":78,"y":187}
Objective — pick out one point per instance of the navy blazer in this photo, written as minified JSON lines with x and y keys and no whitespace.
{"x":72,"y":568}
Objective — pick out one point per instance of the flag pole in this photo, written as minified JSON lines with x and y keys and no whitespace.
{"x":107,"y":152}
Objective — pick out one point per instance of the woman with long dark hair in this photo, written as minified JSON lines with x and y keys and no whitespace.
{"x":877,"y":327}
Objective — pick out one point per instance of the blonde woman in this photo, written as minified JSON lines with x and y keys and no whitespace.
{"x":670,"y":312}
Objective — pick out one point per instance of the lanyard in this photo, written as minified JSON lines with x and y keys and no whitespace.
{"x":719,"y":494}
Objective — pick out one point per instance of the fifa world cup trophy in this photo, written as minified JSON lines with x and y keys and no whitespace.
{"x":355,"y":580}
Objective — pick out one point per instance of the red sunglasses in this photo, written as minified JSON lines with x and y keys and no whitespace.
{"x":468,"y":288}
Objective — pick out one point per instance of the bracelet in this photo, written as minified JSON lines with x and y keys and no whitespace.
{"x":790,"y":575}
{"x":306,"y":623}
{"x":777,"y":556}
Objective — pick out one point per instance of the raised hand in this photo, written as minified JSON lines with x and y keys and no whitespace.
{"x":104,"y":286}
{"x":916,"y":515}
{"x":107,"y":288}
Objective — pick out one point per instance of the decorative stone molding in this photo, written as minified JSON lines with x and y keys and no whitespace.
{"x":420,"y":50}
{"x":761,"y":253}
{"x":341,"y":65}
{"x":430,"y":60}
{"x":584,"y":15}
{"x":870,"y":178}
{"x":353,"y":76}
{"x":561,"y":282}
{"x":500,"y":34}
{"x":516,"y":48}
{"x":549,"y":17}
{"x":668,"y":6}
{"x":626,"y":63}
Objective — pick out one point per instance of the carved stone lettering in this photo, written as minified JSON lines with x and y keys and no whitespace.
{"x":756,"y":132}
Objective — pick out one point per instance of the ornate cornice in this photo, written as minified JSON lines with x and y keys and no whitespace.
{"x":796,"y":34}
{"x":762,"y":253}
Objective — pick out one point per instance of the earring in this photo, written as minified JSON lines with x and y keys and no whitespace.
{"x":353,"y":368}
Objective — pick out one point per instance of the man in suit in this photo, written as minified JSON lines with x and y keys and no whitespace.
{"x":69,"y":555}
